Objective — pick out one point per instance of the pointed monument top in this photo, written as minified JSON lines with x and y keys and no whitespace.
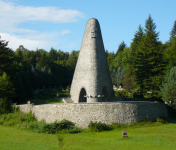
{"x":92,"y":80}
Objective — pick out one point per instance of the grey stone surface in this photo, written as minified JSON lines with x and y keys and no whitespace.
{"x":92,"y":71}
{"x":106,"y":112}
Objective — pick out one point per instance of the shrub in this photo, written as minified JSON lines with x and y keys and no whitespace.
{"x":74,"y":129}
{"x":29,"y":122}
{"x":124,"y":92}
{"x":118,"y":93}
{"x":161,"y":120}
{"x":98,"y":126}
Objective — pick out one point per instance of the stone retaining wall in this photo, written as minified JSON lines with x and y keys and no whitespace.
{"x":106,"y":112}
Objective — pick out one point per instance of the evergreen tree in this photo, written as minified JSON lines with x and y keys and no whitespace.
{"x":120,"y":76}
{"x":110,"y":59}
{"x":113,"y":77}
{"x":34,"y":77}
{"x":170,"y":51}
{"x":7,"y":92}
{"x":149,"y":64}
{"x":117,"y":62}
{"x":121,"y":47}
{"x":133,"y":55}
{"x":173,"y":32}
{"x":7,"y":89}
{"x":168,"y":86}
{"x":6,"y":58}
{"x":128,"y":82}
{"x":19,"y":86}
{"x":26,"y":83}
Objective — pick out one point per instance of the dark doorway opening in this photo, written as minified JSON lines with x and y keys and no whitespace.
{"x":105,"y":93}
{"x":81,"y":95}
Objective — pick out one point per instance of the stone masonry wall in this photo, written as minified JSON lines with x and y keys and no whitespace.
{"x":108,"y":112}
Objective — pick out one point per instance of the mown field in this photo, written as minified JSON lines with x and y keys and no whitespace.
{"x":160,"y":137}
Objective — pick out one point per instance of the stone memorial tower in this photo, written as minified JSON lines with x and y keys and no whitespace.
{"x":92,"y":81}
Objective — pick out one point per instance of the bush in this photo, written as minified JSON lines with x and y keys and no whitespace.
{"x":74,"y":129}
{"x":27,"y":121}
{"x":118,"y":93}
{"x":4,"y":105}
{"x":161,"y":120}
{"x":98,"y":126}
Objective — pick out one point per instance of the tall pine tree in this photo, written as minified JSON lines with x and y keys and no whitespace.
{"x":149,"y":64}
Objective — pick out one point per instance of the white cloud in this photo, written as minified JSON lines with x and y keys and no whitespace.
{"x":11,"y":15}
{"x":39,"y":40}
{"x":16,"y":41}
{"x":65,"y":32}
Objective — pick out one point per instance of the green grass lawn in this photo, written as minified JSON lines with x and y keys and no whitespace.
{"x":43,"y":101}
{"x":162,"y":137}
{"x":148,"y":138}
{"x":15,"y":139}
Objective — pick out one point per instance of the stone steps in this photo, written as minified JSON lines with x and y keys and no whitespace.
{"x":67,"y":100}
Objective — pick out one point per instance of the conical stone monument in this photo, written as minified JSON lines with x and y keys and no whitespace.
{"x":92,"y":81}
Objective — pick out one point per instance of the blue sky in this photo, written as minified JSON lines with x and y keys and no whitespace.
{"x":61,"y":23}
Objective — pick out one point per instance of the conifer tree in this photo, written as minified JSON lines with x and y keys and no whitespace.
{"x":6,"y":58}
{"x":170,"y":51}
{"x":173,"y":32}
{"x":26,"y":83}
{"x":149,"y":64}
{"x":168,"y":87}
{"x":7,"y":92}
{"x":35,"y":82}
{"x":7,"y":89}
{"x":119,"y":76}
{"x":19,"y":86}
{"x":121,"y":47}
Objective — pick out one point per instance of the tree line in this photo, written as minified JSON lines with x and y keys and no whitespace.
{"x":146,"y":64}
{"x":23,"y":71}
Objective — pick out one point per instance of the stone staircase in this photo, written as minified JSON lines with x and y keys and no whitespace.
{"x":67,"y":100}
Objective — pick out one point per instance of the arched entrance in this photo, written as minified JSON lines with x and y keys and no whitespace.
{"x":105,"y":93}
{"x":81,"y":95}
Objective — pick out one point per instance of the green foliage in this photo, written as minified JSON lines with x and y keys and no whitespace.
{"x":29,"y":122}
{"x":149,"y":64}
{"x":125,"y":93}
{"x":118,"y":93}
{"x":161,"y":120}
{"x":6,"y":58}
{"x":7,"y":92}
{"x":119,"y":76}
{"x":173,"y":32}
{"x":98,"y":127}
{"x":168,"y":88}
{"x":110,"y":58}
{"x":6,"y":87}
{"x":121,"y":47}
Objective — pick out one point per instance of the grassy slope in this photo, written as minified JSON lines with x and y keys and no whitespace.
{"x":154,"y":138}
{"x":14,"y":139}
{"x":161,"y":137}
